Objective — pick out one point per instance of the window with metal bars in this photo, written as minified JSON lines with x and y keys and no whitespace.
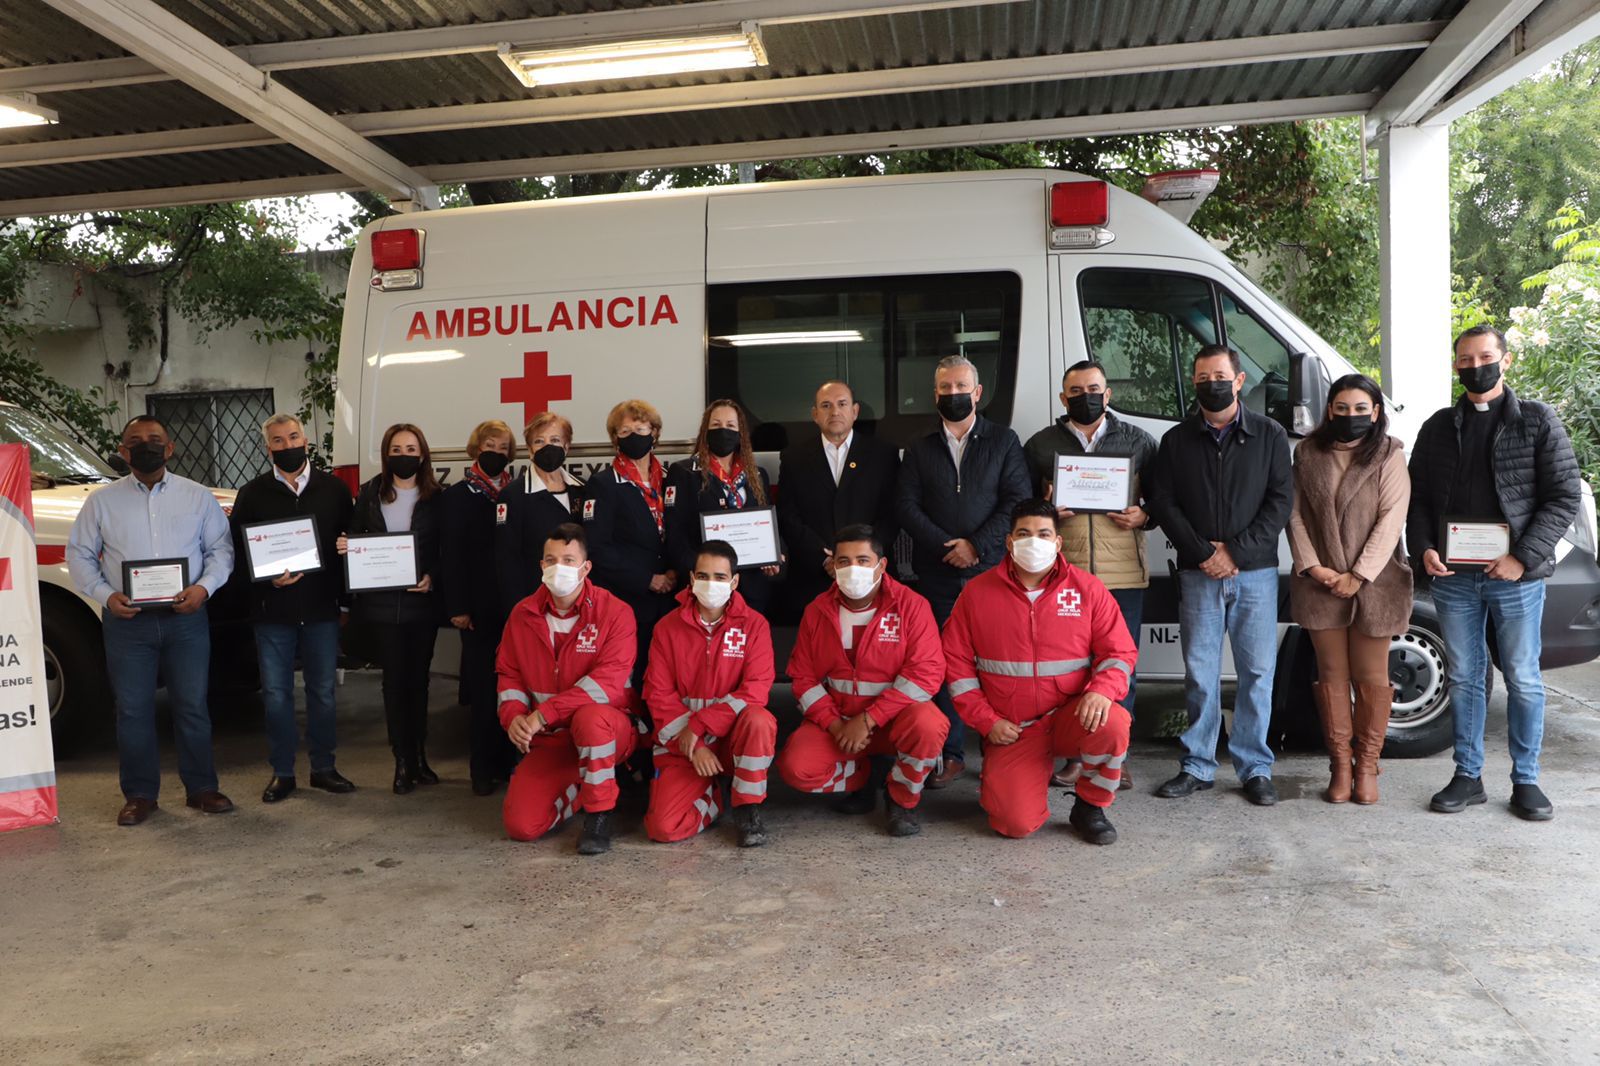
{"x":216,"y":436}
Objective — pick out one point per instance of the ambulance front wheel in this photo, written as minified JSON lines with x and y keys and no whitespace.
{"x":76,"y":686}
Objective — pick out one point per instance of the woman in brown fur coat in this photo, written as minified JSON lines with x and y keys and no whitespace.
{"x":1352,"y":586}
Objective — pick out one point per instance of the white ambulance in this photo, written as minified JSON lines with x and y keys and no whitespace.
{"x":761,"y":292}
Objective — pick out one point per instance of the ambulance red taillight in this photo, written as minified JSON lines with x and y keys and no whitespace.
{"x":1079,"y":211}
{"x":397,"y":259}
{"x":351,"y":476}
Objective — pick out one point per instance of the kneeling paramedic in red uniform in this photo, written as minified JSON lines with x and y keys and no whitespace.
{"x":1036,"y":657}
{"x":706,"y":685}
{"x":563,"y":670}
{"x":865,"y":668}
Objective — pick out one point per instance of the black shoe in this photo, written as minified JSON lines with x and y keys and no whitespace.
{"x":332,"y":781}
{"x":424,"y":772}
{"x":278,"y":789}
{"x":1259,"y":790}
{"x":752,"y":829}
{"x":596,"y":838}
{"x":862,"y":801}
{"x":483,"y":786}
{"x":403,"y":783}
{"x":1462,"y":792}
{"x":903,"y":821}
{"x":1185,"y":784}
{"x":1091,"y":823}
{"x":1529,"y":802}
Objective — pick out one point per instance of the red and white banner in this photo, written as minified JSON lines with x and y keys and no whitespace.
{"x":27,"y":762}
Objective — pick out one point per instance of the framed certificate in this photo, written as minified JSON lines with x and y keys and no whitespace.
{"x":1468,"y":545}
{"x":288,"y":545}
{"x":1094,"y":484}
{"x":753,"y":534}
{"x":381,"y":561}
{"x":154,"y":582}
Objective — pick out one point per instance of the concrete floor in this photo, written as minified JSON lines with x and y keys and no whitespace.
{"x":375,"y":928}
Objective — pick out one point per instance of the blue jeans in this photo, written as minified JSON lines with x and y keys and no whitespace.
{"x":1245,"y":609}
{"x":1517,"y":607}
{"x":942,"y":594}
{"x":318,"y":645}
{"x":177,"y":648}
{"x":1132,"y":603}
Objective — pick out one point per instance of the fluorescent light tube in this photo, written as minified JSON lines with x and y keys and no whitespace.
{"x":647,"y":58}
{"x":22,"y":109}
{"x":810,"y":336}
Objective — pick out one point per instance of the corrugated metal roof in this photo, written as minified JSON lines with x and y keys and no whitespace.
{"x":39,"y":35}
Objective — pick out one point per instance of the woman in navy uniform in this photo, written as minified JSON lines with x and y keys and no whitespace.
{"x":470,"y":584}
{"x":543,"y":497}
{"x":625,"y":517}
{"x":721,"y":475}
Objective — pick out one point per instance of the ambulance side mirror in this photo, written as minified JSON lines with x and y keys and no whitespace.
{"x":1308,"y":393}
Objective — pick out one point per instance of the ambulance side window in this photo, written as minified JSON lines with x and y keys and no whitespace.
{"x":1263,"y":357}
{"x":1145,"y":326}
{"x":770,"y":344}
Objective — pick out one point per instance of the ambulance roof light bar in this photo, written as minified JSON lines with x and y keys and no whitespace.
{"x":1181,"y":192}
{"x":1079,"y":211}
{"x":397,"y":259}
{"x":651,"y":57}
{"x":24,"y":109}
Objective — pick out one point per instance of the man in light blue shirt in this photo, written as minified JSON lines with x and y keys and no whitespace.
{"x":154,"y":514}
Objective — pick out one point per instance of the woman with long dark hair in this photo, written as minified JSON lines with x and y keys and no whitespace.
{"x":404,"y":497}
{"x":1351,"y":588}
{"x":469,"y":511}
{"x":721,"y":475}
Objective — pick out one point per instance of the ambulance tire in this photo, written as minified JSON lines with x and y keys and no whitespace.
{"x":76,"y":685}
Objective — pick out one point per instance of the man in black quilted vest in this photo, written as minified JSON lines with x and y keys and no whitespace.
{"x":1494,"y":461}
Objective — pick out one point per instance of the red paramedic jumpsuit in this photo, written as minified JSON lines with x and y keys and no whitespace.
{"x":578,"y":681}
{"x":1028,"y":662}
{"x":890,"y":675}
{"x":712,"y":683}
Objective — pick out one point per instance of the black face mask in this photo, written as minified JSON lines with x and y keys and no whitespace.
{"x":1214,"y":396}
{"x":722,"y":442}
{"x":1086,"y":408}
{"x":1347,"y":428}
{"x":550,"y":457}
{"x":492,"y":463}
{"x":147,"y":457}
{"x":955,"y":406}
{"x":1479,"y":379}
{"x":289,"y":460}
{"x":636,"y":445}
{"x":403,"y":466}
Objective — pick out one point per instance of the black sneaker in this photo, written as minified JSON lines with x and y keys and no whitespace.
{"x":1259,"y":790}
{"x":1462,"y":792}
{"x":752,"y":830}
{"x":1529,"y":802}
{"x":1091,"y":823}
{"x":1185,"y":784}
{"x":596,"y":838}
{"x":903,"y":821}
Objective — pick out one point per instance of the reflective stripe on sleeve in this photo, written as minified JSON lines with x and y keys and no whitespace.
{"x":513,"y":695}
{"x":674,"y":727}
{"x":962,"y":687}
{"x":593,"y":689}
{"x":810,"y":696}
{"x":1113,"y":664}
{"x":907,"y":687}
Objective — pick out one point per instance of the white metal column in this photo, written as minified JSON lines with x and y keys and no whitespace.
{"x":1414,"y":264}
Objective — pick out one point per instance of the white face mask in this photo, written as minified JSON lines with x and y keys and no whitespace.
{"x":712,"y":594}
{"x":1034,"y":554}
{"x":856,"y":582}
{"x":561,"y":580}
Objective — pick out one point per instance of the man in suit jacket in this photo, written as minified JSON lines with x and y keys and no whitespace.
{"x":957,"y":488}
{"x":840,"y":478}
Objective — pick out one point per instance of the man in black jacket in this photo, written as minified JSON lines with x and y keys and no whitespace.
{"x":1496,"y":459}
{"x":842,"y":478}
{"x":296,"y":611}
{"x":1222,"y":490}
{"x":957,"y":488}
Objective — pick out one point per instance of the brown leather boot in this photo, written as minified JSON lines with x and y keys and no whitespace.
{"x":1333,"y":707}
{"x":1372,"y":726}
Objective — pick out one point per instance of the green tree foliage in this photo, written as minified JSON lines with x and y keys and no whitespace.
{"x":1518,"y":159}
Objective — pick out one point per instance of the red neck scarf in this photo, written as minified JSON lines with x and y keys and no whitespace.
{"x":733,"y":479}
{"x":651,"y":489}
{"x":485,"y":484}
